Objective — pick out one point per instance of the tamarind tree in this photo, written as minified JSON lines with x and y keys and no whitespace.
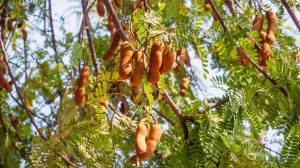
{"x":219,"y":77}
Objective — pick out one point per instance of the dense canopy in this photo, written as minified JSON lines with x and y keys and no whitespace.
{"x":170,"y":83}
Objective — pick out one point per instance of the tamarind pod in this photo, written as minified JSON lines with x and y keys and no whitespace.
{"x":16,"y":123}
{"x":116,"y":8}
{"x":182,"y":54}
{"x":124,"y":106}
{"x":2,"y":67}
{"x":168,"y":60}
{"x":135,"y":91}
{"x":24,"y":32}
{"x":207,"y":6}
{"x":9,"y":25}
{"x":110,"y":25}
{"x":155,"y":132}
{"x":11,"y":117}
{"x":113,"y":46}
{"x":4,"y":83}
{"x":183,"y":92}
{"x":132,"y":5}
{"x":100,"y":8}
{"x":125,"y":27}
{"x":156,"y":56}
{"x":139,"y":68}
{"x":153,"y":77}
{"x":152,"y":141}
{"x":140,"y":137}
{"x":125,"y":68}
{"x":151,"y":146}
{"x":229,"y":3}
{"x":184,"y":83}
{"x":263,"y":35}
{"x":265,"y":54}
{"x":243,"y":61}
{"x":84,"y":75}
{"x":142,"y":6}
{"x":179,"y":67}
{"x":257,"y":24}
{"x":118,"y":3}
{"x":155,"y":61}
{"x":187,"y":60}
{"x":105,"y":104}
{"x":80,"y":91}
{"x":79,"y":95}
{"x":272,"y":26}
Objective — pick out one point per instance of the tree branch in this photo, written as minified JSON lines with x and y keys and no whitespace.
{"x":291,"y":13}
{"x":112,"y":13}
{"x":87,"y":26}
{"x":177,"y":113}
{"x":52,"y":32}
{"x":24,"y":104}
{"x":244,"y":55}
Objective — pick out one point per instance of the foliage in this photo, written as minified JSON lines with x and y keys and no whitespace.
{"x":225,"y":131}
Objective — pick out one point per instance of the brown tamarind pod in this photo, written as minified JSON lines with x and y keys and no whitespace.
{"x":155,"y":132}
{"x":105,"y":104}
{"x":16,"y":123}
{"x":113,"y":46}
{"x":84,"y":75}
{"x":187,"y":60}
{"x":263,"y":35}
{"x":135,"y":91}
{"x":243,"y":61}
{"x":152,"y":141}
{"x":168,"y":60}
{"x":80,"y":91}
{"x":229,"y":3}
{"x":183,"y":92}
{"x":185,"y":83}
{"x":126,"y":53}
{"x":132,"y":5}
{"x":272,"y":26}
{"x":4,"y":83}
{"x":118,"y":3}
{"x":140,"y":137}
{"x":24,"y":32}
{"x":182,"y":55}
{"x":265,"y":55}
{"x":155,"y":61}
{"x":207,"y":6}
{"x":257,"y":24}
{"x":100,"y":8}
{"x":115,"y":7}
{"x":9,"y":24}
{"x":142,"y":6}
{"x":3,"y":68}
{"x":110,"y":25}
{"x":139,"y":68}
{"x":79,"y":95}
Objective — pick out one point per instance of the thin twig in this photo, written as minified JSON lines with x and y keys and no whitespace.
{"x":24,"y":103}
{"x":52,"y":32}
{"x":291,"y":13}
{"x":89,"y":36}
{"x":177,"y":113}
{"x":112,"y":13}
{"x":244,"y":55}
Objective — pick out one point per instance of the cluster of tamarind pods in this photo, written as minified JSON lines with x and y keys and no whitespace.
{"x":3,"y":82}
{"x":267,"y":38}
{"x":146,"y":141}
